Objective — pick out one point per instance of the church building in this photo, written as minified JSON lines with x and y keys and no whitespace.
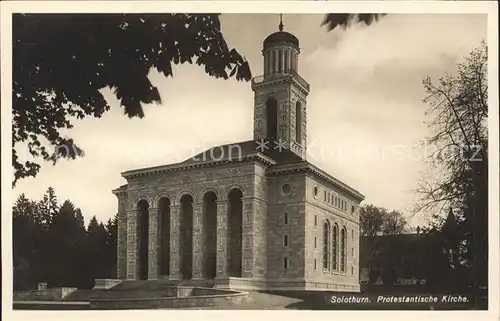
{"x":248,"y":215}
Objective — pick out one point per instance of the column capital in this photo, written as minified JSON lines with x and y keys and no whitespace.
{"x":221,"y":202}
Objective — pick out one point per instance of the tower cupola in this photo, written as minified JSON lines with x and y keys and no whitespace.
{"x":280,"y":51}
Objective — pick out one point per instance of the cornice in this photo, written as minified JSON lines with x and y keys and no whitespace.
{"x":318,"y":173}
{"x":282,"y":80}
{"x":196,"y":165}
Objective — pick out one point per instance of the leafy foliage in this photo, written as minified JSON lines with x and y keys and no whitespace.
{"x":60,"y":251}
{"x":458,"y":105}
{"x":343,"y":20}
{"x":375,"y":220}
{"x":60,"y":63}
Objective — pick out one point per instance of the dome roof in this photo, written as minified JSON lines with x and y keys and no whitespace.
{"x":281,"y":37}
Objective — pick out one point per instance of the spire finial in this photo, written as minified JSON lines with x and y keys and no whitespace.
{"x":281,"y":22}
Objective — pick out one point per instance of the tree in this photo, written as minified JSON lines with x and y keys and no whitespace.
{"x":342,"y":20}
{"x":27,"y":236}
{"x":63,"y":253}
{"x":458,"y":105}
{"x":375,"y":220}
{"x":97,"y":259}
{"x":60,"y":63}
{"x":111,"y":246}
{"x":393,"y":223}
{"x":47,"y":208}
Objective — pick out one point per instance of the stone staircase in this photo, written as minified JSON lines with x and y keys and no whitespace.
{"x":152,"y":285}
{"x":137,"y":289}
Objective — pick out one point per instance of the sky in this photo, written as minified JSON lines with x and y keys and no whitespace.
{"x":364,"y":113}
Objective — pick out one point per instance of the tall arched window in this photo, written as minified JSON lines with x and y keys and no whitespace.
{"x":343,"y":249}
{"x":335,"y":246}
{"x":272,"y":117}
{"x":326,"y":245}
{"x":298,"y":123}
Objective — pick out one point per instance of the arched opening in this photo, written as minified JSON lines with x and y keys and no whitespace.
{"x":210,"y":234}
{"x":235,"y":229}
{"x":272,"y":118}
{"x":335,"y":253}
{"x":186,"y":237}
{"x":143,"y":238}
{"x":298,"y":123}
{"x":164,"y":211}
{"x":326,"y":245}
{"x":343,"y":249}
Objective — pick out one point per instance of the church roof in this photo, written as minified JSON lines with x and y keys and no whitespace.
{"x":280,"y":162}
{"x":241,"y":150}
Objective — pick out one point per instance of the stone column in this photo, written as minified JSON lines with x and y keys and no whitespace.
{"x":198,"y":241}
{"x":248,"y":235}
{"x":222,"y":239}
{"x":174,"y":242}
{"x":276,"y":60}
{"x":121,"y":244}
{"x":282,"y":54}
{"x":132,"y":248}
{"x":154,"y":245}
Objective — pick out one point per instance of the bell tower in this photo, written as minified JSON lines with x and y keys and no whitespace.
{"x":280,"y":95}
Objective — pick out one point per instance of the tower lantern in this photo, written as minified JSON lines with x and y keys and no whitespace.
{"x":281,"y":51}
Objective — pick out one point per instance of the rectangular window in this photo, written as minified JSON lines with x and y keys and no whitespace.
{"x":286,"y":263}
{"x":285,"y":240}
{"x":315,"y":242}
{"x":352,"y":270}
{"x":352,"y":252}
{"x":315,"y":220}
{"x":352,"y":209}
{"x":325,"y":196}
{"x":285,"y":218}
{"x":315,"y":264}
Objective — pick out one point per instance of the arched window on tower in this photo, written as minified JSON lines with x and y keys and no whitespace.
{"x":272,"y":117}
{"x":298,"y":122}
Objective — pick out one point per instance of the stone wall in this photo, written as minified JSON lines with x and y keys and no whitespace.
{"x":292,"y":203}
{"x":53,"y":294}
{"x":106,"y":283}
{"x":187,"y":298}
{"x":196,"y":182}
{"x":122,"y":238}
{"x":317,"y":211}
